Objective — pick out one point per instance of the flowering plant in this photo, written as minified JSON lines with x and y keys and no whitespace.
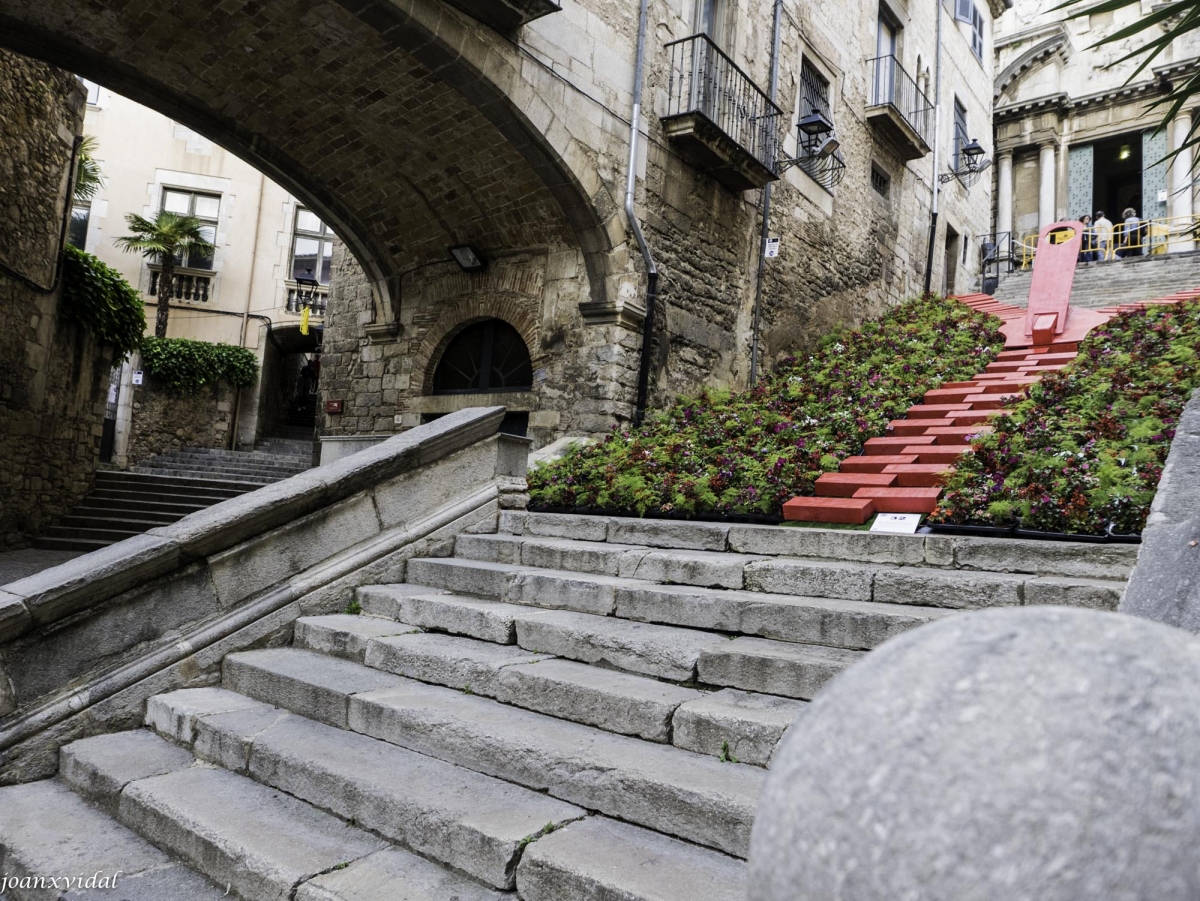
{"x":1084,"y":452}
{"x":749,"y":452}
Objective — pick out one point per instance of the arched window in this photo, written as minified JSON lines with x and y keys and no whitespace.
{"x":487,"y":356}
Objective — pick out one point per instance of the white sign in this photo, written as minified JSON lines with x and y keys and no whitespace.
{"x":137,"y":376}
{"x":772,"y":248}
{"x":902,"y":523}
{"x":1162,"y":196}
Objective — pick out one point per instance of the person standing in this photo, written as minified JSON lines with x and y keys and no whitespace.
{"x":1087,"y":252}
{"x":1132,"y":239}
{"x":1104,"y":236}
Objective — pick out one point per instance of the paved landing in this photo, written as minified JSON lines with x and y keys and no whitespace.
{"x":16,"y":565}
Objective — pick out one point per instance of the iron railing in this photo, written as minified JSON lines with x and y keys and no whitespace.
{"x":892,"y":86}
{"x":705,"y":80}
{"x":314,"y":297}
{"x":191,"y":285}
{"x":827,"y":171}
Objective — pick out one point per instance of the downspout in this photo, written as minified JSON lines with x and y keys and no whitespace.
{"x":237,"y":401}
{"x":766,"y":213}
{"x":937,"y":145}
{"x":643,"y":388}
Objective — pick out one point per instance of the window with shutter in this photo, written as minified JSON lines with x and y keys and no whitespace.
{"x":963,"y":10}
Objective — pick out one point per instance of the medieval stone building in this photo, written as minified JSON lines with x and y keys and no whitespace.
{"x":1075,"y":135}
{"x":503,"y":131}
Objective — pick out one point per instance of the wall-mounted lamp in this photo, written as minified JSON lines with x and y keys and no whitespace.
{"x":972,"y":164}
{"x":468,"y":258}
{"x":819,"y":146}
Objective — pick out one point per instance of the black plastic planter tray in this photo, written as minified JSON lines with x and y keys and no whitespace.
{"x":980,"y":531}
{"x":1039,"y":535}
{"x":740,"y":519}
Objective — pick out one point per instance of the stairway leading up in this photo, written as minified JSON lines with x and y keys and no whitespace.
{"x":166,"y":488}
{"x":567,"y":708}
{"x":1116,"y":282}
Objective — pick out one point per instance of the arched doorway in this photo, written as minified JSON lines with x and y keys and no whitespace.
{"x":487,"y":357}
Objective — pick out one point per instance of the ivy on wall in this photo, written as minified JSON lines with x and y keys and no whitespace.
{"x":186,"y":366}
{"x":102,"y":302}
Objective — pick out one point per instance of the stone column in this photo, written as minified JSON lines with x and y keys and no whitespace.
{"x":1181,"y":179}
{"x":1004,"y":192}
{"x":1047,"y":196}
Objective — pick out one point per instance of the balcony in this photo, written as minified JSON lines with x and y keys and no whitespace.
{"x":314,"y":297}
{"x":718,"y":119}
{"x":898,"y":111}
{"x":193,"y":285}
{"x":506,"y":15}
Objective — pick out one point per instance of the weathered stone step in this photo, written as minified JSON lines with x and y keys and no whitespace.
{"x":708,"y":723}
{"x":602,"y":859}
{"x":826,"y":621}
{"x":46,"y":831}
{"x":658,"y":786}
{"x":140,"y":481}
{"x":248,"y":482}
{"x":471,"y":822}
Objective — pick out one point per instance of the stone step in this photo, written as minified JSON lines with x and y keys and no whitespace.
{"x":238,"y":474}
{"x":808,"y":578}
{"x":125,"y":480}
{"x":833,"y":622}
{"x":94,"y":503}
{"x":130,"y":522}
{"x":610,"y":700}
{"x":46,"y":830}
{"x":474,"y":823}
{"x":80,"y":545}
{"x":243,"y":481}
{"x":657,"y":786}
{"x":94,"y":534}
{"x":195,"y":500}
{"x":600,"y":858}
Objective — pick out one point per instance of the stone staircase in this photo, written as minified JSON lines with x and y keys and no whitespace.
{"x":167,"y":487}
{"x":1121,"y":281}
{"x":568,"y":708}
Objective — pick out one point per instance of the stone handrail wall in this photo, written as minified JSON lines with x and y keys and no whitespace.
{"x":1165,"y":584}
{"x":83,"y":645}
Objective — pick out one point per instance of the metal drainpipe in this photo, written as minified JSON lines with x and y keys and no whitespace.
{"x":766,"y":213}
{"x":937,"y":144}
{"x":643,"y":389}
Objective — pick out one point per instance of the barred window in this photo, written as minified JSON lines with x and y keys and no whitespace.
{"x":880,"y":181}
{"x":814,"y":91}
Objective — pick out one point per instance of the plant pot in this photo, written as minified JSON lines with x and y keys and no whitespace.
{"x":548,"y":508}
{"x":1038,"y":535}
{"x":976,"y":531}
{"x":740,"y":519}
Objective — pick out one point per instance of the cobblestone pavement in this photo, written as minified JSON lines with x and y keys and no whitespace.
{"x":16,"y":565}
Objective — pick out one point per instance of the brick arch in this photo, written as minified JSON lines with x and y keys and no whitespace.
{"x":407,"y":127}
{"x":509,"y":308}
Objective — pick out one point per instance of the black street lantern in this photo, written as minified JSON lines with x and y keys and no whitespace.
{"x":813,"y":126}
{"x":972,"y":164}
{"x":972,"y":152}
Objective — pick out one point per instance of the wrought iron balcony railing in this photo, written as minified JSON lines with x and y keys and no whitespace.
{"x":193,"y":285}
{"x":901,"y":107}
{"x":718,"y":113}
{"x":300,"y":296}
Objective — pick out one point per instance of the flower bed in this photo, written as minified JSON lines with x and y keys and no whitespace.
{"x":748,"y":453}
{"x":1083,"y":454}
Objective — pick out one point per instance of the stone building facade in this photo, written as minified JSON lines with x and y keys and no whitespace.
{"x":1074,"y":133}
{"x":52,"y":374}
{"x":505,"y":128}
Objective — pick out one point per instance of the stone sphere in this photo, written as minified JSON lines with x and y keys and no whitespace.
{"x":1024,"y":754}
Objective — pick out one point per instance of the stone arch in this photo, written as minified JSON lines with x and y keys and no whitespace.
{"x":387,"y":119}
{"x":1029,"y":60}
{"x":453,"y":321}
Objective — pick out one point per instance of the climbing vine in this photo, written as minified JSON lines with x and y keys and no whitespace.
{"x":186,"y":366}
{"x":102,"y":302}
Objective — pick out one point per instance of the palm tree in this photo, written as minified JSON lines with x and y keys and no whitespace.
{"x":88,"y":177}
{"x":167,"y":236}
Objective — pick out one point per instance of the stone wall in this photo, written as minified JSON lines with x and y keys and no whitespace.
{"x":163,"y":421}
{"x":52,"y":375}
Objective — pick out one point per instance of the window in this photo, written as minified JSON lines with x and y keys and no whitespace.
{"x":881,"y":182}
{"x":312,"y":247}
{"x":710,"y":19}
{"x":484,"y":357}
{"x":960,"y":132}
{"x":204,"y":207}
{"x":93,"y":91}
{"x":814,"y":91}
{"x":81,"y":214}
{"x":967,"y":12}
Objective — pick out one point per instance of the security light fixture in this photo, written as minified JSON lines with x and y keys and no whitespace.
{"x":468,"y":258}
{"x":828,"y":146}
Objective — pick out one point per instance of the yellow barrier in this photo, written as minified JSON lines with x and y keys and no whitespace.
{"x":1154,"y":236}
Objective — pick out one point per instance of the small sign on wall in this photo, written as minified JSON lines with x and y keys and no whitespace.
{"x":333,"y":406}
{"x":137,"y":376}
{"x":772,"y":248}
